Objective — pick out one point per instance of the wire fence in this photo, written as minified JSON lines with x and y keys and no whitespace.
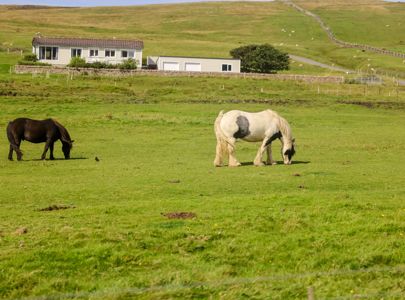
{"x":134,"y":291}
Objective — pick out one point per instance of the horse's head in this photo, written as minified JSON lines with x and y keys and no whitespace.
{"x":288,"y":151}
{"x":66,"y":147}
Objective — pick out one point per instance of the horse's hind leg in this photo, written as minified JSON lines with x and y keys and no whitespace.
{"x":10,"y":153}
{"x":17,"y":150}
{"x":233,"y":162}
{"x":219,"y":153}
{"x":15,"y":143}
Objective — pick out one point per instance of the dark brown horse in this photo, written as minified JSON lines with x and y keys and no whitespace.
{"x":46,"y":131}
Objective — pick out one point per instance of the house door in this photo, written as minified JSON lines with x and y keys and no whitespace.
{"x":171,"y":66}
{"x":193,"y":67}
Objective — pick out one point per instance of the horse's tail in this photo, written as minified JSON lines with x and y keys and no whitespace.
{"x":222,"y":140}
{"x":12,"y":138}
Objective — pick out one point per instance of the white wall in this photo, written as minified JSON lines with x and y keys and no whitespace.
{"x":207,"y":64}
{"x":64,"y":56}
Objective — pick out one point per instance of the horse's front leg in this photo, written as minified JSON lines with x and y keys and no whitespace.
{"x":270,"y":160}
{"x":47,"y":144}
{"x":258,"y":159}
{"x":232,"y":162}
{"x":51,"y":151}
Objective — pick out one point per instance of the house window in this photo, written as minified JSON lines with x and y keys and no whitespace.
{"x":76,"y":52}
{"x":109,"y":53}
{"x":48,"y":53}
{"x":226,"y":68}
{"x":93,"y":52}
{"x":128,"y":53}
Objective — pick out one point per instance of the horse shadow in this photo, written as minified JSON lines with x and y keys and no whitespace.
{"x":297,"y":162}
{"x":56,"y":159}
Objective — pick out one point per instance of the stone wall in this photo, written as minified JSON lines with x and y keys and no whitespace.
{"x":340,"y":42}
{"x":23,"y":69}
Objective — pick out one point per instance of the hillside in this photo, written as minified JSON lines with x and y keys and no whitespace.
{"x":212,"y":29}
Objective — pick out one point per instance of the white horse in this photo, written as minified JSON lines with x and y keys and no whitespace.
{"x":264,"y":126}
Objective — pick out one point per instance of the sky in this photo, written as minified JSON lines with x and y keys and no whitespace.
{"x":103,"y":3}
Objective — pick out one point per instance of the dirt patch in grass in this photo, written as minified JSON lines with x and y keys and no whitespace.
{"x":174,"y":181}
{"x":179,"y":215}
{"x":249,"y":101}
{"x":56,"y":207}
{"x":378,"y":104}
{"x":21,"y":231}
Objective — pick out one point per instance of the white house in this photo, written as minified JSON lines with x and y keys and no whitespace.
{"x":59,"y":51}
{"x":194,"y":64}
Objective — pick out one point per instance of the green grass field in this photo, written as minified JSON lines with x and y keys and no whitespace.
{"x":333,"y":220}
{"x":343,"y":214}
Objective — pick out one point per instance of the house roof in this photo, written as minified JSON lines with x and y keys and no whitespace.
{"x":81,"y":42}
{"x":196,"y":57}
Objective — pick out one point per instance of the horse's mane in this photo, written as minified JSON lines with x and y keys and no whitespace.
{"x":284,"y":127}
{"x":63,"y":132}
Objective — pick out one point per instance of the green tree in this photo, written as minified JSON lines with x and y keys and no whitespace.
{"x":261,"y":58}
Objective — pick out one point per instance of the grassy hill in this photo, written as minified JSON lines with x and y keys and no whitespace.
{"x":212,"y":29}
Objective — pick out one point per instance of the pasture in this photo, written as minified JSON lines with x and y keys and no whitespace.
{"x":99,"y":226}
{"x":258,"y":232}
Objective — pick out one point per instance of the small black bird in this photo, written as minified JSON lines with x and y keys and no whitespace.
{"x":96,"y":158}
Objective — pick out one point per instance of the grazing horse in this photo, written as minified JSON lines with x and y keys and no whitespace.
{"x":46,"y":131}
{"x":264,"y":126}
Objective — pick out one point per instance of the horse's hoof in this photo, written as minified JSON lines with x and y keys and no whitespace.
{"x":52,"y":158}
{"x":235,"y":165}
{"x":259,"y":164}
{"x":10,"y":159}
{"x":217,"y":164}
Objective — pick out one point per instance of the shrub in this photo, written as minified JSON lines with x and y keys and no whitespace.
{"x":129,"y":64}
{"x":261,"y":58}
{"x":30,"y":57}
{"x":32,"y":63}
{"x":100,"y":65}
{"x":77,"y":62}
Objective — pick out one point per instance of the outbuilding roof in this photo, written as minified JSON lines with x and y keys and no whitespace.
{"x":85,"y":42}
